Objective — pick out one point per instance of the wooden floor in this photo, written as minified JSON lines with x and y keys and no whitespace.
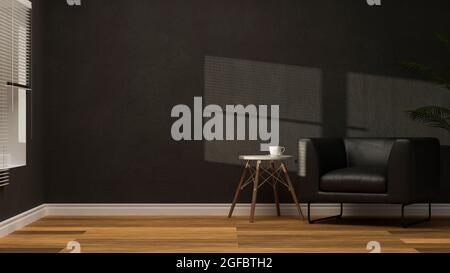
{"x":220,"y":234}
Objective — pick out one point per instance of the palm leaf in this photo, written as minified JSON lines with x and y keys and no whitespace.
{"x":443,"y":38}
{"x":428,"y":74}
{"x":433,"y":116}
{"x":442,"y":79}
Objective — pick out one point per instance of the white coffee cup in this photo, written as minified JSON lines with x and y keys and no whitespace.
{"x":276,"y":150}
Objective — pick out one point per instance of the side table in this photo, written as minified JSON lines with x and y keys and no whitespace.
{"x":274,"y":171}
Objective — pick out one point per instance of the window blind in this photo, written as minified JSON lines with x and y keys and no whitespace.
{"x":15,"y":80}
{"x":21,"y":42}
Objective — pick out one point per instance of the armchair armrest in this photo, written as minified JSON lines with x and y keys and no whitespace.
{"x":413,"y":169}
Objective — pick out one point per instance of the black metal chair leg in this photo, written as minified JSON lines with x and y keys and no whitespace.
{"x":405,"y":224}
{"x":325,"y":218}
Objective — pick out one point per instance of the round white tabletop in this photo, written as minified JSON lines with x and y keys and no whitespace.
{"x":264,"y":157}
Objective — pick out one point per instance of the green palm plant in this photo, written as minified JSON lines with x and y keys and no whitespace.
{"x":434,"y":116}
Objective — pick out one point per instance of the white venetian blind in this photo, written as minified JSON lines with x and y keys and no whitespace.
{"x":21,"y":42}
{"x":15,"y":80}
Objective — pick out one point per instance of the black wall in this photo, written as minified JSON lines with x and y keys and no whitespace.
{"x":113,"y":69}
{"x":26,"y":188}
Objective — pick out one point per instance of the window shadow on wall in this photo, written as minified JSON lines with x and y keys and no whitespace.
{"x":318,"y":103}
{"x":379,"y":104}
{"x":309,"y":105}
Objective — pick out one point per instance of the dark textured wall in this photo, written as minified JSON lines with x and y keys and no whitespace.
{"x":26,"y":188}
{"x":113,"y":69}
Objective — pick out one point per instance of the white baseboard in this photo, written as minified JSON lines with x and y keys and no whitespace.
{"x":21,"y":220}
{"x":368,"y":210}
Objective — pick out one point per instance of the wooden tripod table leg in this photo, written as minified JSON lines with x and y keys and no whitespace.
{"x":238,"y":189}
{"x":291,"y":189}
{"x":255,"y":191}
{"x":275,"y":189}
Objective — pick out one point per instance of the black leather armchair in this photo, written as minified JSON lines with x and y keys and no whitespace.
{"x":369,"y":170}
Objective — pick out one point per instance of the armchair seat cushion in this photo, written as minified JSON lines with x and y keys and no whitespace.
{"x":354,"y":180}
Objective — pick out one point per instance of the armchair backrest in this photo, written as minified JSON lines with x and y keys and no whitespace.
{"x":372,"y":152}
